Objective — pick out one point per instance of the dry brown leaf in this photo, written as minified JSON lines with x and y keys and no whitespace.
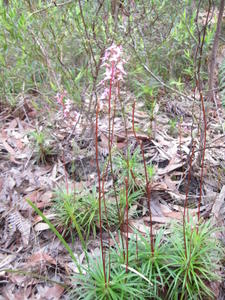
{"x":174,"y":215}
{"x":13,"y":124}
{"x":22,"y":280}
{"x":159,"y":186}
{"x":41,"y":227}
{"x":53,"y":293}
{"x":104,"y":141}
{"x":19,"y":144}
{"x":40,"y":258}
{"x":45,"y":199}
{"x":49,"y":216}
{"x":139,"y":225}
{"x":1,"y":183}
{"x":8,"y":147}
{"x":158,"y":219}
{"x":5,"y":261}
{"x":175,"y":163}
{"x":33,"y":196}
{"x":219,"y":202}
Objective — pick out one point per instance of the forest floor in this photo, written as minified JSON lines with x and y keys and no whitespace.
{"x":33,"y":263}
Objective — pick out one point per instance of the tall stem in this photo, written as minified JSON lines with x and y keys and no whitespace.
{"x":99,"y":192}
{"x":186,"y":199}
{"x":148,"y":188}
{"x":110,"y":139}
{"x":126,"y":182}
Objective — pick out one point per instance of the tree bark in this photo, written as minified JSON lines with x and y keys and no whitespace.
{"x":214,"y":51}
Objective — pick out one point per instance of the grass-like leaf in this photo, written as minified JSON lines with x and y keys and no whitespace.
{"x":54,"y":230}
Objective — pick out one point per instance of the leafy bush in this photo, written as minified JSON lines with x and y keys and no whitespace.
{"x":50,"y":48}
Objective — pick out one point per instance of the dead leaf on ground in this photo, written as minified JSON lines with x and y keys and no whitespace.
{"x":219,"y":202}
{"x":40,"y":258}
{"x":51,"y":293}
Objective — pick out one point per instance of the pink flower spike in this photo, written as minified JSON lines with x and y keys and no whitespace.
{"x":105,"y":94}
{"x":114,"y":70}
{"x":120,"y":68}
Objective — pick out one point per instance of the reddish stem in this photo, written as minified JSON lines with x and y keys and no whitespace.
{"x":106,"y":215}
{"x":148,"y":189}
{"x":99,"y":192}
{"x":186,"y":199}
{"x":135,"y":135}
{"x":203,"y":154}
{"x":136,"y":247}
{"x":66,"y":177}
{"x":180,"y":137}
{"x":110,"y":140}
{"x":126,"y":182}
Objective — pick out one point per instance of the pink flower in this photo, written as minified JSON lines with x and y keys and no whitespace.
{"x":113,"y":63}
{"x":67,"y":106}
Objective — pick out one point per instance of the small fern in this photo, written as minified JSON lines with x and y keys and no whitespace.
{"x":222,"y":82}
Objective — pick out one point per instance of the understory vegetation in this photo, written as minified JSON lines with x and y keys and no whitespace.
{"x":112,"y":140}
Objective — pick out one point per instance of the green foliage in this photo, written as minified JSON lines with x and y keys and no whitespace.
{"x":129,"y":166}
{"x":133,"y":197}
{"x":170,"y":270}
{"x":49,"y":48}
{"x":173,"y":127}
{"x":36,"y":42}
{"x":121,"y":285}
{"x":154,"y":266}
{"x":84,"y":206}
{"x":193,"y":271}
{"x":54,"y":230}
{"x":150,"y":171}
{"x":42,"y":147}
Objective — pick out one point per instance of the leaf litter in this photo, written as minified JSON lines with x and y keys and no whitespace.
{"x":27,"y":243}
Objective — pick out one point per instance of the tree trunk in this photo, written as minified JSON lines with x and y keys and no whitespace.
{"x":214,"y":51}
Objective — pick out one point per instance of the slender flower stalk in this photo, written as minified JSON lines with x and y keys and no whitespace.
{"x":66,"y":176}
{"x":148,"y":188}
{"x":114,"y":72}
{"x":99,"y":192}
{"x":67,"y":107}
{"x":148,"y":191}
{"x":106,"y":216}
{"x":203,"y":154}
{"x":186,"y":198}
{"x":126,"y":183}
